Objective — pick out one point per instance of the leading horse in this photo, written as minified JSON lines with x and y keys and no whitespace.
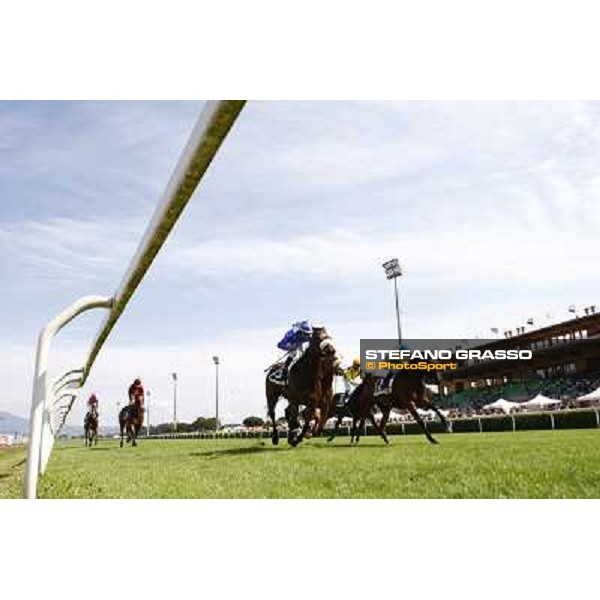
{"x":309,"y":384}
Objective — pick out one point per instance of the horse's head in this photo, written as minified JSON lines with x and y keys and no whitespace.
{"x":319,"y":334}
{"x":329,"y":357}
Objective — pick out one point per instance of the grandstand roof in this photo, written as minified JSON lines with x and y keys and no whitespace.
{"x":590,"y":323}
{"x":552,"y":345}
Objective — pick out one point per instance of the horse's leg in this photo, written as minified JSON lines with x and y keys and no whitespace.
{"x":353,"y":431}
{"x":377,"y":426}
{"x":413,"y":411}
{"x":385,"y":415}
{"x":291,"y":416}
{"x":361,"y":427}
{"x":271,"y":404}
{"x":438,"y":412}
{"x":309,"y":415}
{"x":339,"y":416}
{"x":327,"y":411}
{"x":121,"y":427}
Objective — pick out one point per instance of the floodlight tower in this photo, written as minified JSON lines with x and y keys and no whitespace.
{"x":393,"y":271}
{"x":216,"y":361}
{"x":174,"y":376}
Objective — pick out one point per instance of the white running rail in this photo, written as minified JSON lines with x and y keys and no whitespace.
{"x":51,"y":403}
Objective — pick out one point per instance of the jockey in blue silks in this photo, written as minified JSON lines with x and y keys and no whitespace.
{"x":293,"y":342}
{"x":384,"y":383}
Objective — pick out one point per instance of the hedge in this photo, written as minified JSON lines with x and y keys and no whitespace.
{"x":573,"y":419}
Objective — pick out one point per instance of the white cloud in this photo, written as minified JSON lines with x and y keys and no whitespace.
{"x":68,"y":250}
{"x":492,"y":208}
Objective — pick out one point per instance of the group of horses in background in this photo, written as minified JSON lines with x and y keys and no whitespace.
{"x":311,"y":401}
{"x":131,"y":419}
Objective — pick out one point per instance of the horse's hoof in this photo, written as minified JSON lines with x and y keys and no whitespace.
{"x":433,"y":441}
{"x":275,"y":441}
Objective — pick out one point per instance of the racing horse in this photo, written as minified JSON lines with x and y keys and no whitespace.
{"x":131,"y":419}
{"x":90,"y":427}
{"x":409,"y":392}
{"x":309,"y":384}
{"x":360,"y":406}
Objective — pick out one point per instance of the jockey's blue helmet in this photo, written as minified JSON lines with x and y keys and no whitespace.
{"x":306,"y":327}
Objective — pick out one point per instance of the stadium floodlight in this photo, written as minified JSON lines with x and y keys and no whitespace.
{"x":217,"y":362}
{"x":174,"y":376}
{"x":393,"y":271}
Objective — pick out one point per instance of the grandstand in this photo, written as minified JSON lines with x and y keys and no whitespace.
{"x":565,"y":366}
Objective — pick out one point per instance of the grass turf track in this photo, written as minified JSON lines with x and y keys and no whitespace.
{"x":531,"y":464}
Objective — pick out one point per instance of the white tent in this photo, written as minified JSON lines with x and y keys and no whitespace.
{"x":595,"y":395}
{"x":502,"y":404}
{"x":540,"y":401}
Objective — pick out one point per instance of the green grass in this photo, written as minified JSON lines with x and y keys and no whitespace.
{"x":532,"y":464}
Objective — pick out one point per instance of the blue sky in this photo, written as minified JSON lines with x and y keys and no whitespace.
{"x":492,"y":208}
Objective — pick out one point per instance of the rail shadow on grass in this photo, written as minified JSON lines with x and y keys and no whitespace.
{"x":223,"y":453}
{"x":79,"y":448}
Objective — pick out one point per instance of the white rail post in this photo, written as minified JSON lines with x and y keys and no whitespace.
{"x":208,"y":134}
{"x":39,"y":417}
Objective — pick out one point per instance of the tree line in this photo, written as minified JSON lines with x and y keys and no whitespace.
{"x":202,"y":424}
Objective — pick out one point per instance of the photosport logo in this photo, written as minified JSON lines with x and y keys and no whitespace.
{"x":379,"y":356}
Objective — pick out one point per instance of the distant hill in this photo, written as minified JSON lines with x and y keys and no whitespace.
{"x":13,"y":424}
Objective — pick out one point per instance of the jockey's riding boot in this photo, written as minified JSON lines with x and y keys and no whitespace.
{"x":286,"y":368}
{"x":283,"y":373}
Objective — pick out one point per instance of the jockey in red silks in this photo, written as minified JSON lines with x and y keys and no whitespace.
{"x":136,"y":390}
{"x":92,"y":408}
{"x":93,"y":402}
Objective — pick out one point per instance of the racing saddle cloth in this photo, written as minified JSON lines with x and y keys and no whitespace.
{"x":385,"y":386}
{"x":280,"y":375}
